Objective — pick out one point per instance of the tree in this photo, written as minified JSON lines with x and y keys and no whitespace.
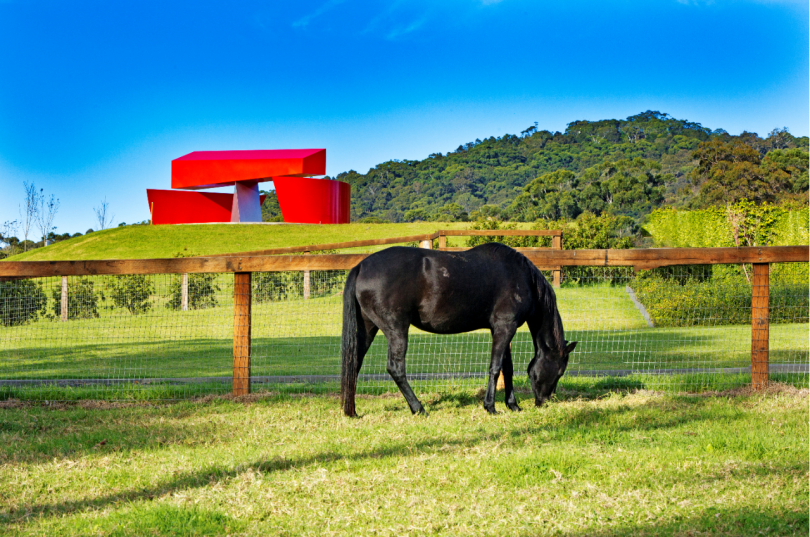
{"x":729,"y":172}
{"x":46,"y":214}
{"x":780,"y":138}
{"x":103,"y":215}
{"x":9,"y":230}
{"x":452,"y":212}
{"x":29,"y":210}
{"x":787,"y":170}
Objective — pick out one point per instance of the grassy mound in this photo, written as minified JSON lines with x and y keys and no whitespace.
{"x":144,"y":242}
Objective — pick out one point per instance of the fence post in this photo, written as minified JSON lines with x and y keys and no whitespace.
{"x":184,"y":301}
{"x":306,"y":282}
{"x":428,"y":244}
{"x":241,"y":333}
{"x":63,"y":299}
{"x":759,"y":326}
{"x":442,"y":241}
{"x":556,"y":244}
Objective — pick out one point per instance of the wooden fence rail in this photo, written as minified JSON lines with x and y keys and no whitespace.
{"x":544,"y":259}
{"x":548,"y":259}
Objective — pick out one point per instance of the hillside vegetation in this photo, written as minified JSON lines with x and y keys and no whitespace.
{"x":623,"y":167}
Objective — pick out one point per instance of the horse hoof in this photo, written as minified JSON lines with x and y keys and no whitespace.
{"x":491,"y":409}
{"x":421,"y":412}
{"x":514,"y":407}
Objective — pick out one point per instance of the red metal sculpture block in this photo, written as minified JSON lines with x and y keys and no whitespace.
{"x":208,"y":169}
{"x":313,"y":201}
{"x":181,"y":207}
{"x":302,"y":199}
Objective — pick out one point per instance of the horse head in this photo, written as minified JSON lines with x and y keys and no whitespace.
{"x":545,"y":372}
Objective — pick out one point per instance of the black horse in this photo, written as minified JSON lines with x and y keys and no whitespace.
{"x":490,"y":286}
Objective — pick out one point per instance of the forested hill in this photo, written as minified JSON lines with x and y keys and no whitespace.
{"x":626,"y":167}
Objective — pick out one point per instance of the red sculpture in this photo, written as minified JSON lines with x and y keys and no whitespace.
{"x":302,"y":199}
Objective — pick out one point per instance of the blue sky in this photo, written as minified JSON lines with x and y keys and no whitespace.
{"x":97,"y":98}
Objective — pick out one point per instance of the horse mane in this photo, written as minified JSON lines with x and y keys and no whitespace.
{"x":551,"y":322}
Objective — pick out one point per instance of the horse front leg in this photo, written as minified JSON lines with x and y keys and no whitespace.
{"x":500,"y":344}
{"x":508,"y":372}
{"x":397,"y":347}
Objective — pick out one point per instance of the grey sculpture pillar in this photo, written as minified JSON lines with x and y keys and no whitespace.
{"x":246,"y":204}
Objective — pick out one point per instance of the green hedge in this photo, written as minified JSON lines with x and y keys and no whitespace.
{"x":722,"y":298}
{"x":775,"y":226}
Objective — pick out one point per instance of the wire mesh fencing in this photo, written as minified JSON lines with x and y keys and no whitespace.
{"x":175,"y":336}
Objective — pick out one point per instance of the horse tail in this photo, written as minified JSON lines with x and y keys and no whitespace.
{"x":350,"y":352}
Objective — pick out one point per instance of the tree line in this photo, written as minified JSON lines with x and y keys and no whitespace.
{"x":620,"y":167}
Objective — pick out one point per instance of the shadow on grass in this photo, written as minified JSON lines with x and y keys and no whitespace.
{"x":736,"y":522}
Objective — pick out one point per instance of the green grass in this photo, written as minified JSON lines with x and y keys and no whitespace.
{"x":597,"y":463}
{"x":144,"y":242}
{"x":298,"y":337}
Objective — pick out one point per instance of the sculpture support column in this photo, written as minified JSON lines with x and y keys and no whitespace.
{"x":246,"y":204}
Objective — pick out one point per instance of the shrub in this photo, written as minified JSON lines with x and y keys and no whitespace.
{"x":131,"y":292}
{"x":277,"y":286}
{"x":274,"y":286}
{"x":202,"y":290}
{"x":327,"y":282}
{"x":723,"y":298}
{"x":21,"y":301}
{"x":82,"y":299}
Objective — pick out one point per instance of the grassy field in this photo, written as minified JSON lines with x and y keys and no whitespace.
{"x":631,"y":464}
{"x":143,"y":242}
{"x":302,"y":337}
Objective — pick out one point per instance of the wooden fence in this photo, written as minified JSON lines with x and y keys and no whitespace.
{"x":243,"y":265}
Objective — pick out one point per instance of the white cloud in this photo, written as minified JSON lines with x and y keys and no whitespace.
{"x":399,"y":32}
{"x":305,"y":20}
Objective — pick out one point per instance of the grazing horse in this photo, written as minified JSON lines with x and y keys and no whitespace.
{"x":490,"y":286}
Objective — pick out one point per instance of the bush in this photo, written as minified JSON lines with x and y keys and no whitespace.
{"x":724,"y":298}
{"x":82,"y":299}
{"x":21,"y":301}
{"x":202,"y":291}
{"x":131,"y":292}
{"x":277,"y":286}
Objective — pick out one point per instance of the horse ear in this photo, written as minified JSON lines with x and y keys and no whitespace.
{"x":570,"y":347}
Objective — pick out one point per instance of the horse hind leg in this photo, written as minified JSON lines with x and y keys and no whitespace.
{"x":397,"y":347}
{"x":508,"y":372}
{"x":365,"y":337}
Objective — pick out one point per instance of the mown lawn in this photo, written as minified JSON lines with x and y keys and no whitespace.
{"x":630,"y":464}
{"x":302,"y":337}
